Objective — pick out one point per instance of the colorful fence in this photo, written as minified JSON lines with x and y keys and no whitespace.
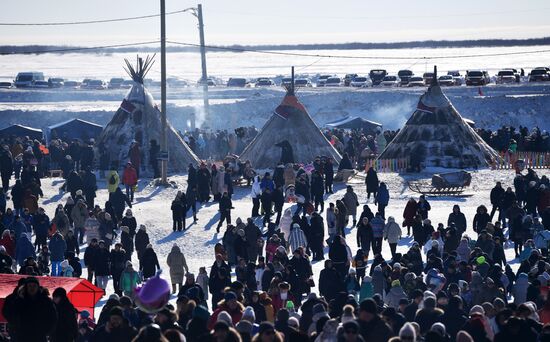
{"x":388,"y":165}
{"x":533,"y":160}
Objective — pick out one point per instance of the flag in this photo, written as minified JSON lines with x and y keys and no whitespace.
{"x":127,"y":106}
{"x":479,"y":91}
{"x":283,"y":111}
{"x":423,"y":108}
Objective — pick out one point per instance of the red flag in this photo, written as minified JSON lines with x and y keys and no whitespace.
{"x":423,"y":108}
{"x":127,"y":106}
{"x":479,"y":91}
{"x":282,"y":111}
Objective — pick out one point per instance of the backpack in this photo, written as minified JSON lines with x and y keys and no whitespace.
{"x":112,"y":180}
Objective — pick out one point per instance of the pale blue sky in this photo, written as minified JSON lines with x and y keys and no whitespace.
{"x":280,"y":21}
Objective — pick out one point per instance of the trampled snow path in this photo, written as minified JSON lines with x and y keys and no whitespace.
{"x":152,"y":208}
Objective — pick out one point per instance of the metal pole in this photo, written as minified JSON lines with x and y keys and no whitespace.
{"x":203,"y":64}
{"x":163,"y":138}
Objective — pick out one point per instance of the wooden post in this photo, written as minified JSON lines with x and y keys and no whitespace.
{"x":203,"y":65}
{"x":163,"y":137}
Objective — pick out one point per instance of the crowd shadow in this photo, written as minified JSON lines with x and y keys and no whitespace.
{"x":172,"y":237}
{"x":213,"y":220}
{"x":147,"y":198}
{"x":54,"y":199}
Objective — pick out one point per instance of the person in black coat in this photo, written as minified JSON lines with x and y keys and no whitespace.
{"x":154,"y":150}
{"x":66,"y":329}
{"x":317,"y":236}
{"x":225,"y":207}
{"x":330,"y":281}
{"x":372,"y":183}
{"x":89,"y":187}
{"x":454,"y":317}
{"x":481,"y":219}
{"x":220,"y":278}
{"x":74,"y":261}
{"x":496,"y":198}
{"x":6,"y":167}
{"x":17,"y":196}
{"x":328,"y":169}
{"x":142,"y":240}
{"x":458,"y":218}
{"x":177,"y":214}
{"x":508,"y":199}
{"x":118,"y":264}
{"x":119,"y":201}
{"x":267,"y":202}
{"x":102,"y":267}
{"x":278,"y":199}
{"x":338,"y":253}
{"x":149,"y":263}
{"x":203,"y":183}
{"x":90,"y":255}
{"x":345,"y":163}
{"x":74,"y":183}
{"x":318,"y":190}
{"x":30,"y":313}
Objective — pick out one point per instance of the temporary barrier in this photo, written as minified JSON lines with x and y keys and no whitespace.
{"x":388,"y":165}
{"x":533,"y":160}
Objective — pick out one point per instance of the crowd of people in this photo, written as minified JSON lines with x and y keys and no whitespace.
{"x":509,"y":138}
{"x":446,"y":286}
{"x":216,"y":145}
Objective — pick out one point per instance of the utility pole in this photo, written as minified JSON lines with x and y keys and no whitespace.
{"x":203,"y":64}
{"x":163,"y":138}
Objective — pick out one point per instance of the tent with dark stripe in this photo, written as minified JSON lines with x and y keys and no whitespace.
{"x":21,"y":131}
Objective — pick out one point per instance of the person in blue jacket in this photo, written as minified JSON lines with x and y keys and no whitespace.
{"x":57,"y":247}
{"x":24,"y":249}
{"x":382,"y":198}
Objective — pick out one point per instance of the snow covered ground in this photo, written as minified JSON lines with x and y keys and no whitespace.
{"x":152,"y":208}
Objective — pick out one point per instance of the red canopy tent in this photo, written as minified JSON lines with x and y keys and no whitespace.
{"x":82,"y":294}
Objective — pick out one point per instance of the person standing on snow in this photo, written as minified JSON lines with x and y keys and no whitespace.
{"x":382,"y":198}
{"x":371,"y":181}
{"x":225,"y":210}
{"x":130,"y":180}
{"x":351,"y":201}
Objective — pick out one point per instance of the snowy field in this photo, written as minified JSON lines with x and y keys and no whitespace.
{"x":152,"y":208}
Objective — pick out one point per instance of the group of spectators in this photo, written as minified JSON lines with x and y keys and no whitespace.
{"x":508,"y":138}
{"x":216,"y":145}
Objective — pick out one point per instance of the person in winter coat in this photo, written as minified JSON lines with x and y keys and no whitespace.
{"x":225,"y":207}
{"x":395,"y":294}
{"x":330,"y":281}
{"x":203,"y":179}
{"x":340,"y":254}
{"x":352,"y":202}
{"x":129,"y":221}
{"x":428,"y":315}
{"x":119,"y":201}
{"x":18,"y":196}
{"x":382,"y":199}
{"x":178,"y":267}
{"x":90,"y":258}
{"x":364,"y":236}
{"x":409,"y":214}
{"x":101,"y":265}
{"x":116,"y":328}
{"x":91,"y":227}
{"x":113,"y":180}
{"x":30,"y":313}
{"x":317,"y":236}
{"x":178,"y":213}
{"x":392,"y":233}
{"x":127,"y":242}
{"x":377,"y":224}
{"x":371,"y":326}
{"x":318,"y":190}
{"x":142,"y":240}
{"x":149,"y":264}
{"x":519,"y":290}
{"x":454,"y":317}
{"x":24,"y":249}
{"x":252,"y":233}
{"x":371,"y":181}
{"x":458,"y":218}
{"x":130,"y":180}
{"x":255,"y":194}
{"x":367,"y":290}
{"x":463,"y":251}
{"x":79,"y":215}
{"x":481,"y":219}
{"x":496,"y":199}
{"x":58,"y":247}
{"x":66,"y":329}
{"x":231,"y":306}
{"x":331,"y":223}
{"x":89,"y":187}
{"x":117,"y":262}
{"x":129,"y":280}
{"x":41,"y":226}
{"x":297,"y":238}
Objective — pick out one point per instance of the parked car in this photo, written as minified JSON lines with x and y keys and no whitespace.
{"x":428,"y":77}
{"x":390,"y":81}
{"x":446,"y":80}
{"x":264,"y":82}
{"x":286,"y":81}
{"x":459,"y":80}
{"x":516,"y":74}
{"x":115,"y":83}
{"x":321,"y":80}
{"x":71,"y":84}
{"x":405,"y":76}
{"x":236,"y":82}
{"x":209,"y":82}
{"x":416,"y":81}
{"x":348,"y":78}
{"x":94,"y":85}
{"x":377,"y":75}
{"x":302,"y":82}
{"x":361,"y":82}
{"x":27,"y":79}
{"x":477,"y":77}
{"x":127,"y":84}
{"x":333,"y":82}
{"x":540,"y":74}
{"x":56,"y":82}
{"x":41,"y":84}
{"x":506,"y":76}
{"x":5,"y":84}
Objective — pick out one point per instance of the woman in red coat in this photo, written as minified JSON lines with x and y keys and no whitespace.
{"x":230,"y":305}
{"x":130,"y":179}
{"x":409,"y":213}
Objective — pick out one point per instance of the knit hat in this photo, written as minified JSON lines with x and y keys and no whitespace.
{"x":230,"y":295}
{"x":395,"y":283}
{"x":225,"y":317}
{"x":480,"y":260}
{"x":116,"y":311}
{"x":439,"y":328}
{"x":64,"y":264}
{"x":407,"y":330}
{"x":84,"y":314}
{"x":249,"y":315}
{"x":429,"y":302}
{"x":477,"y":310}
{"x":114,"y":296}
{"x":265,"y":326}
{"x":347,"y":314}
{"x":293,"y":322}
{"x":79,"y":192}
{"x":201,"y":312}
{"x":369,"y":305}
{"x":352,"y":271}
{"x":107,"y":216}
{"x":125,"y":229}
{"x":367,"y":279}
{"x":142,"y":227}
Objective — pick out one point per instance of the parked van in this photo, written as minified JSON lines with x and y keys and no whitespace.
{"x":27,"y":79}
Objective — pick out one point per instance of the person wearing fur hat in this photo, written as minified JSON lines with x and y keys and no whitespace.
{"x":231,"y":306}
{"x":280,"y":299}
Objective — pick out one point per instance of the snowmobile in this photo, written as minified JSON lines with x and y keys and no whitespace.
{"x":444,"y":184}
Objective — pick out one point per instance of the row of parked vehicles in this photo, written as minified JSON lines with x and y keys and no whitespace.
{"x":376,"y":77}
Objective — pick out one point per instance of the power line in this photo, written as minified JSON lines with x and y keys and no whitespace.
{"x":300,"y":54}
{"x":75,"y":49}
{"x":100,"y":21}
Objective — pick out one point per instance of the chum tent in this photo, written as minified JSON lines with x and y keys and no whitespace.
{"x":21,"y":131}
{"x":81,"y":293}
{"x":354,"y":122}
{"x":436,"y":135}
{"x":139,"y":119}
{"x":75,"y":129}
{"x":290,"y":135}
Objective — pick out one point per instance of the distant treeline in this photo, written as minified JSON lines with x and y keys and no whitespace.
{"x":30,"y":49}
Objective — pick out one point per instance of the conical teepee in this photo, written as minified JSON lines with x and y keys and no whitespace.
{"x":436,"y":135}
{"x":138,"y":118}
{"x":290,"y":135}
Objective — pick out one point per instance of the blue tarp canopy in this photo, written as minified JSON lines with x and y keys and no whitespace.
{"x":354,"y":122}
{"x":75,"y":129}
{"x":21,"y":131}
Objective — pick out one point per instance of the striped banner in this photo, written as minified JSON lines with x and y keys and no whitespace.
{"x":388,"y":165}
{"x":533,"y":160}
